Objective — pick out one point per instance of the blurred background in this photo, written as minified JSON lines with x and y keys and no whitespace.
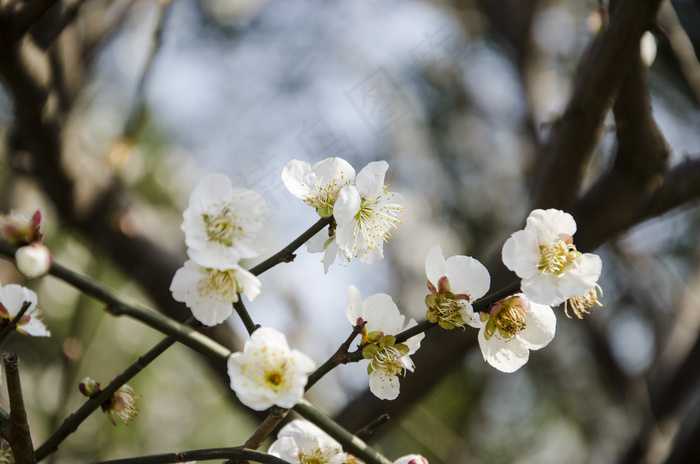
{"x":112,"y":111}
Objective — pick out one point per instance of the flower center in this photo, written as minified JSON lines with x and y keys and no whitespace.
{"x":317,"y":456}
{"x":376,"y":218}
{"x":219,"y":282}
{"x":388,"y":359}
{"x":222,"y":227}
{"x":556,"y":256}
{"x":580,"y":304}
{"x":274,"y":378}
{"x":508,"y":319}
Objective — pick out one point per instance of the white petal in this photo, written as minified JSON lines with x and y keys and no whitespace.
{"x":435,"y":265}
{"x":544,"y":289}
{"x":347,"y":205}
{"x":550,"y":223}
{"x":374,"y":254}
{"x":353,"y":308}
{"x":13,"y":296}
{"x":296,"y":177}
{"x":381,"y":313}
{"x":249,"y":283}
{"x":521,"y":253}
{"x":506,"y":356}
{"x":581,"y":276}
{"x":413,"y":343}
{"x":541,"y":326}
{"x":467,"y":275}
{"x":316,"y":243}
{"x":370,"y":179}
{"x":334,"y":169}
{"x":383,"y":386}
{"x":332,"y":250}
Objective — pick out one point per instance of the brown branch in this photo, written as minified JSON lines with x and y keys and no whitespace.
{"x":682,"y":47}
{"x":565,"y":155}
{"x":17,"y":17}
{"x":620,"y":196}
{"x":19,"y":437}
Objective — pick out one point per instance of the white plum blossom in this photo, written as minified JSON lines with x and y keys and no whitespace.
{"x":33,"y":260}
{"x":513,"y":327}
{"x":325,"y":242}
{"x":223,"y":224}
{"x":454,"y":283}
{"x":12,"y":298}
{"x":544,"y":256}
{"x":412,"y":459}
{"x":388,"y":359}
{"x":365,"y":213}
{"x":301,"y":442}
{"x":210,"y":293}
{"x":268,"y":372}
{"x":318,"y":186}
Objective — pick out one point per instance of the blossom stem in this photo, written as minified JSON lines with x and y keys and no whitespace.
{"x":240,"y":308}
{"x":283,"y":255}
{"x":369,"y":428}
{"x":19,"y":437}
{"x":117,"y":305}
{"x":349,"y":442}
{"x":272,"y":420}
{"x":71,"y":423}
{"x":238,"y":452}
{"x":339,"y":357}
{"x":15,"y":320}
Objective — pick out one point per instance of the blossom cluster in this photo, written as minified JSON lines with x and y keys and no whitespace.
{"x":364,"y":211}
{"x":33,"y":259}
{"x":552,"y":271}
{"x":222,"y":225}
{"x":301,"y":442}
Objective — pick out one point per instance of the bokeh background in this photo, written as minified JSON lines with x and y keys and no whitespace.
{"x":139,"y":99}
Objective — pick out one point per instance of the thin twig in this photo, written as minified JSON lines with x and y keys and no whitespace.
{"x":72,"y":422}
{"x":20,"y":438}
{"x":264,"y":430}
{"x":242,"y":312}
{"x":369,"y":428}
{"x":7,"y":330}
{"x":285,"y":254}
{"x":118,"y":305}
{"x":339,"y":357}
{"x":238,"y":452}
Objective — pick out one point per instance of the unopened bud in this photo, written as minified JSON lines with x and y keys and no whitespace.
{"x":33,"y":260}
{"x":89,"y":387}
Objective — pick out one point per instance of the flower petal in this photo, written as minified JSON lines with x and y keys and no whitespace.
{"x":468,"y":276}
{"x":370,"y":179}
{"x":297,"y":176}
{"x":384,"y":386}
{"x":550,"y":223}
{"x":541,"y":326}
{"x":505,"y":355}
{"x":521,"y":253}
{"x":435,"y":264}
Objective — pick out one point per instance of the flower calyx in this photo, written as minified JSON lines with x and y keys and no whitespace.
{"x":444,"y":307}
{"x":122,"y":403}
{"x":385,"y":355}
{"x":506,"y":317}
